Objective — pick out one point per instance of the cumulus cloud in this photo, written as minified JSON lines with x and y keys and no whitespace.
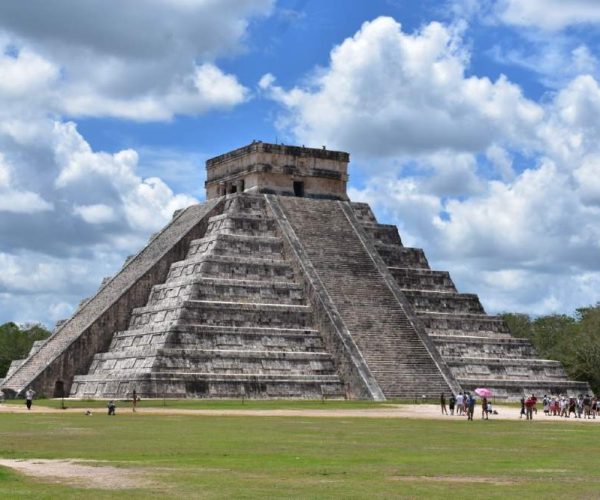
{"x":386,"y":92}
{"x":499,"y":189}
{"x":69,"y":214}
{"x":145,"y":61}
{"x":549,"y":15}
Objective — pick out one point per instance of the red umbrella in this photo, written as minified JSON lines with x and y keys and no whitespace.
{"x":483,"y":392}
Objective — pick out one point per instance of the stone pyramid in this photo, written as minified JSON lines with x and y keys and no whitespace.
{"x":279,"y":287}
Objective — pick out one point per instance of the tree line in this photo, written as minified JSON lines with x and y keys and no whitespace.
{"x":572,"y":340}
{"x":16,"y":342}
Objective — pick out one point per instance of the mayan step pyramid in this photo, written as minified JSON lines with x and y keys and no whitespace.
{"x":278,"y":286}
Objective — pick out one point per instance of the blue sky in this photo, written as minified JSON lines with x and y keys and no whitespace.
{"x":472,"y":125}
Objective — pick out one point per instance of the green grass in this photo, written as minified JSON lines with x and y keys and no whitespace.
{"x":276,"y":457}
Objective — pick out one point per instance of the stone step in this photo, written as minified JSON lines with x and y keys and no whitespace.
{"x":246,"y":204}
{"x":232,"y":267}
{"x":426,"y":301}
{"x":228,"y":361}
{"x":208,"y":385}
{"x":240,"y":223}
{"x":231,"y":290}
{"x":382,"y":234}
{"x":399,"y":256}
{"x":484,"y":347}
{"x":237,"y":244}
{"x":224,"y":314}
{"x":363,"y":213}
{"x":422,"y":279}
{"x":506,"y":369}
{"x":481,"y":325}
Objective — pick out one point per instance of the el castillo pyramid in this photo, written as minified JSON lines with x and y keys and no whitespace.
{"x":278,"y":286}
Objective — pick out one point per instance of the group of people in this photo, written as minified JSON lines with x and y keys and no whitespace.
{"x":464,"y":404}
{"x":583,"y":406}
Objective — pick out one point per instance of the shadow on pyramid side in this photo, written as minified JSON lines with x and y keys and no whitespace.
{"x":279,"y":287}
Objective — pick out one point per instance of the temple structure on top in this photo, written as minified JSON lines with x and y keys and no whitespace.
{"x":263,"y":168}
{"x":278,"y":286}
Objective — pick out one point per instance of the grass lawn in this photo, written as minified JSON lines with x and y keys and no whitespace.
{"x":279,"y":457}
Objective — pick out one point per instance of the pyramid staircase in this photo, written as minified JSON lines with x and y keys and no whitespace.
{"x":478,"y":348}
{"x":230,"y":320}
{"x":398,"y":359}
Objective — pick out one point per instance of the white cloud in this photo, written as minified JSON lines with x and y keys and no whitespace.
{"x":95,"y":214}
{"x":549,"y":15}
{"x":386,"y":93}
{"x":499,"y":189}
{"x":145,"y":61}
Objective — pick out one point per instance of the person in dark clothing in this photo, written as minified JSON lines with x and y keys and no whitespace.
{"x":111,"y":408}
{"x":471,"y":407}
{"x":522,"y":407}
{"x":443,"y":404}
{"x":451,"y":403}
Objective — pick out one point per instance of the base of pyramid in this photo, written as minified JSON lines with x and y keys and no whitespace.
{"x":196,"y":385}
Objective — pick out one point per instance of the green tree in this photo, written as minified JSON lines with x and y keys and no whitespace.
{"x":16,"y":342}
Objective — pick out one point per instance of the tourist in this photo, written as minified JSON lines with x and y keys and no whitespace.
{"x":443,"y":404}
{"x":546,"y":403}
{"x":470,"y":407}
{"x":572,"y":408}
{"x":135,"y":399}
{"x":451,"y":403}
{"x":594,"y":406}
{"x":111,"y":407}
{"x":587,"y":406}
{"x":579,"y":406}
{"x":564,"y":406}
{"x":484,"y":408}
{"x":530,"y":403}
{"x":522,"y":407}
{"x":29,"y":398}
{"x":459,"y":403}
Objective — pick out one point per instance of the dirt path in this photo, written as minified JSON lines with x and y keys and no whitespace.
{"x":77,"y":473}
{"x":420,"y":411}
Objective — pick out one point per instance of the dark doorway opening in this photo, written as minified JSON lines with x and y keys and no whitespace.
{"x":233,"y":189}
{"x":298,"y":188}
{"x":59,"y":389}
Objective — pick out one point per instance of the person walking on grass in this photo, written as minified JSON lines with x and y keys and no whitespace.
{"x":29,"y":398}
{"x":111,"y":407}
{"x":135,"y":400}
{"x":451,"y":403}
{"x":470,"y":406}
{"x":459,"y":403}
{"x":443,"y":404}
{"x":522,"y":407}
{"x":484,"y":408}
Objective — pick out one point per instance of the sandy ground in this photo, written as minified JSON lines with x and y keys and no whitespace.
{"x":78,"y":473}
{"x":421,"y":411}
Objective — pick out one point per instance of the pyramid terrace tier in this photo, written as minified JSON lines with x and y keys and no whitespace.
{"x":480,"y":325}
{"x":399,"y":256}
{"x":382,"y":234}
{"x":484,"y":347}
{"x":240,"y":245}
{"x":515,"y":389}
{"x":507,"y":369}
{"x":220,"y":361}
{"x":231,"y":290}
{"x":244,"y":224}
{"x":426,"y":301}
{"x":209,"y":385}
{"x":221,"y":337}
{"x":422,"y":279}
{"x":224,"y":314}
{"x":222,"y":266}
